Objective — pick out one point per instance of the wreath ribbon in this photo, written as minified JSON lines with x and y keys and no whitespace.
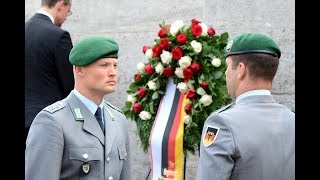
{"x":166,"y":138}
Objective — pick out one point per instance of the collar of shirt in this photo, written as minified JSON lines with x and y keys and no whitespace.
{"x":88,"y":103}
{"x":46,"y":13}
{"x":253,"y":93}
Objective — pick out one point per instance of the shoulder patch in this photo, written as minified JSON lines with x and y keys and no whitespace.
{"x":223,"y":108}
{"x":210,"y":135}
{"x":55,"y":107}
{"x":113,"y":107}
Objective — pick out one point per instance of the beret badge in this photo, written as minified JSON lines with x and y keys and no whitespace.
{"x":229,"y":45}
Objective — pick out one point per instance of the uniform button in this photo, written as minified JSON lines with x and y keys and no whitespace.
{"x":108,"y":159}
{"x":110,"y":178}
{"x":85,"y":156}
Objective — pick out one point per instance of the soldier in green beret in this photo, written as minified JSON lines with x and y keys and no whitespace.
{"x":82,"y":136}
{"x":253,"y":137}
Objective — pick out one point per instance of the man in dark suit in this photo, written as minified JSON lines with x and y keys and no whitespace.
{"x":82,"y":136}
{"x":48,"y":72}
{"x":254,"y":137}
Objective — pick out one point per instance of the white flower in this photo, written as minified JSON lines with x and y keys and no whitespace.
{"x":185,"y":62}
{"x":152,"y":85}
{"x":159,"y":68}
{"x":175,"y":27}
{"x":179,"y":72}
{"x":149,"y":53}
{"x":140,"y":67}
{"x":216,"y":62}
{"x":204,"y":29}
{"x":144,"y":115}
{"x":131,"y":98}
{"x":182,"y":87}
{"x":166,"y":57}
{"x":196,"y":46}
{"x":187,"y":119}
{"x":206,"y":100}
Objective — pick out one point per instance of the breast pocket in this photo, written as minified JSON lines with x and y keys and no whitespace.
{"x":86,"y":160}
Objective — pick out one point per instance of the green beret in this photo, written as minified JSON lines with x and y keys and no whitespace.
{"x":91,"y":49}
{"x":252,"y":43}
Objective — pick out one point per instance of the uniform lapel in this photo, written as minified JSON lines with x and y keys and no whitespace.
{"x":110,"y":128}
{"x":81,"y":113}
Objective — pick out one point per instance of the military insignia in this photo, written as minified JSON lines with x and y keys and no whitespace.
{"x":55,"y":107}
{"x":85,"y":168}
{"x":228,"y":47}
{"x":223,"y":108}
{"x":77,"y":113}
{"x":210,"y":135}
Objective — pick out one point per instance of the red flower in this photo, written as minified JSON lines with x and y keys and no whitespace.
{"x":182,"y":39}
{"x":188,"y":108}
{"x":164,"y":44}
{"x":156,"y":50}
{"x":191,"y":94}
{"x":204,"y":85}
{"x":194,"y":22}
{"x":187,"y":73}
{"x":142,"y":92}
{"x":162,"y":33}
{"x":145,"y":48}
{"x":137,"y":107}
{"x":211,"y":32}
{"x":167,"y":27}
{"x":137,"y":76}
{"x":149,"y":69}
{"x":196,"y":30}
{"x":177,"y":53}
{"x":195,"y":67}
{"x":168,"y":71}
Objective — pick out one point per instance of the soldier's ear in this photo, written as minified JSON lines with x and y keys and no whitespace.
{"x":78,"y":70}
{"x":241,"y":70}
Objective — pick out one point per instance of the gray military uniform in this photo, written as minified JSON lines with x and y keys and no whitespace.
{"x":254,"y":140}
{"x":66,"y":142}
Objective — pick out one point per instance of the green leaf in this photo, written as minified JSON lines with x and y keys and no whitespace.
{"x":155,"y":95}
{"x":151,"y":107}
{"x":217,"y":74}
{"x":201,"y":91}
{"x":163,"y":24}
{"x":125,"y":109}
{"x":128,"y":104}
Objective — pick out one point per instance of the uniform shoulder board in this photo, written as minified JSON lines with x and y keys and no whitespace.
{"x":55,"y":107}
{"x":113,"y":107}
{"x":223,"y":108}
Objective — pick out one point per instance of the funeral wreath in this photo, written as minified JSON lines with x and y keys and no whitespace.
{"x":193,"y":56}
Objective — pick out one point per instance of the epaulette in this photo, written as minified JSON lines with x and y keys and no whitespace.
{"x":113,"y":107}
{"x":55,"y":107}
{"x":223,"y":108}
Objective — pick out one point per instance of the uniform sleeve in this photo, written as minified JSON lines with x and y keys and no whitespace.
{"x":44,"y":149}
{"x":64,"y":67}
{"x":216,"y":157}
{"x":126,"y":169}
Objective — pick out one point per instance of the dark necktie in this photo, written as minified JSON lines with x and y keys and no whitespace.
{"x":98,"y":116}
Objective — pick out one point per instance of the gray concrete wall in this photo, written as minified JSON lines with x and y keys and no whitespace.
{"x":134,"y":24}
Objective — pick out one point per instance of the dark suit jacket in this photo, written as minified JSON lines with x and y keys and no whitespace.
{"x":48,"y":72}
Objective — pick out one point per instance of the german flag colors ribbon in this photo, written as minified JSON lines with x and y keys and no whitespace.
{"x":166,"y":138}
